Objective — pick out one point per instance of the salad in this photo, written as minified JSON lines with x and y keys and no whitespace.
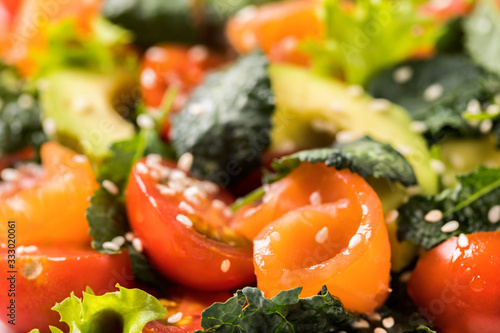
{"x":250,"y":166}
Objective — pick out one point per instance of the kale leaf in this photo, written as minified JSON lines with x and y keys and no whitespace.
{"x":365,"y":156}
{"x":20,"y":124}
{"x":469,"y":204}
{"x":438,"y":92}
{"x":106,"y":215}
{"x":482,"y":35}
{"x":226,"y":123}
{"x":250,"y":311}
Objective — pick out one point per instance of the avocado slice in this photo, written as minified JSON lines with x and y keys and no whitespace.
{"x":79,"y":109}
{"x":303,"y":99}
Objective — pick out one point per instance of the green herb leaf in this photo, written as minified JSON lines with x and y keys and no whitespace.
{"x":19,"y":113}
{"x":369,"y":37}
{"x":366,"y":157}
{"x":126,"y":310}
{"x":482,"y":35}
{"x":424,"y":329}
{"x":226,"y":123}
{"x":468,"y":203}
{"x":438,"y":92}
{"x":250,"y":311}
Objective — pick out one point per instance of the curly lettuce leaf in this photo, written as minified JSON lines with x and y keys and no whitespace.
{"x":250,"y":311}
{"x":366,"y":36}
{"x":469,"y":204}
{"x":126,"y":310}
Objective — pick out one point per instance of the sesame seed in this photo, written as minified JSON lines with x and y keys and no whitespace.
{"x":321,"y":235}
{"x":418,"y":127}
{"x":209,"y":187}
{"x":218,"y":204}
{"x":405,"y":150}
{"x":493,"y":109}
{"x":355,"y":240}
{"x":49,"y":126}
{"x":145,"y":121}
{"x":336,"y":107}
{"x":185,"y":162}
{"x":20,"y":249}
{"x":360,"y":323}
{"x":404,"y":277}
{"x":433,"y":92}
{"x":25,"y":101}
{"x":79,"y":158}
{"x":473,"y":107}
{"x":186,"y":207}
{"x":402,"y":74}
{"x":30,"y":249}
{"x":194,"y":195}
{"x":249,"y":212}
{"x":485,"y":126}
{"x":375,"y":317}
{"x":196,"y":109}
{"x":197,"y":53}
{"x":463,"y":240}
{"x":355,"y":90}
{"x":110,"y":246}
{"x":494,"y":214}
{"x":224,"y":267}
{"x":175,"y":318}
{"x":184,"y":220}
{"x":433,"y":216}
{"x":275,"y":236}
{"x":388,"y":322}
{"x":110,"y":187}
{"x":379,"y":105}
{"x":322,"y":125}
{"x":80,"y":104}
{"x":346,"y":136}
{"x":379,"y":330}
{"x":153,"y":160}
{"x":438,"y":166}
{"x":165,"y":190}
{"x":10,"y":175}
{"x":118,"y":240}
{"x":142,"y":168}
{"x":137,"y":244}
{"x":129,"y":236}
{"x":392,"y":216}
{"x":315,"y":198}
{"x":228,"y":212}
{"x":450,"y":226}
{"x":148,"y":78}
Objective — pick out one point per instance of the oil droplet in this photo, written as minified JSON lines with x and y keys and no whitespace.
{"x":477,"y":283}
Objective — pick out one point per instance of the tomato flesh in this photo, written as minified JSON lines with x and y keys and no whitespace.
{"x":49,"y":205}
{"x":458,"y":288}
{"x":293,"y":249}
{"x":48,"y":275}
{"x":183,"y":225}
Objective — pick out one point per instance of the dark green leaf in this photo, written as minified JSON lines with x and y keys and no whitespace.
{"x":461,"y":81}
{"x":19,"y":113}
{"x":250,"y":311}
{"x":468,"y":204}
{"x":226,"y":123}
{"x":482,"y":35}
{"x":421,"y":330}
{"x":366,"y":157}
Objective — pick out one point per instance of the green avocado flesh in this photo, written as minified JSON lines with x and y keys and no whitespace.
{"x":303,"y":99}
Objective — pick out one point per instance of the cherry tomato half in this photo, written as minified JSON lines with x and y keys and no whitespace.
{"x":47,"y":275}
{"x":182,"y":223}
{"x":48,"y":203}
{"x":456,"y":285}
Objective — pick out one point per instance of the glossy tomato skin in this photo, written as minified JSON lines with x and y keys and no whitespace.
{"x":180,"y":252}
{"x":458,"y":288}
{"x":49,"y":274}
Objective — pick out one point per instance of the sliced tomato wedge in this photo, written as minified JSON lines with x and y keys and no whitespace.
{"x":277,"y":29}
{"x":46,"y":275}
{"x":321,"y":227}
{"x":183,"y":225}
{"x":48,"y":203}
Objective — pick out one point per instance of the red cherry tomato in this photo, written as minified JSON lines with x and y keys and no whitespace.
{"x":182,"y":223}
{"x":47,"y":275}
{"x":179,"y":66}
{"x":457,"y":286}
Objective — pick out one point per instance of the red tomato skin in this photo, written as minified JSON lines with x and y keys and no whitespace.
{"x":179,"y":252}
{"x":459,"y":288}
{"x":35,"y":296}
